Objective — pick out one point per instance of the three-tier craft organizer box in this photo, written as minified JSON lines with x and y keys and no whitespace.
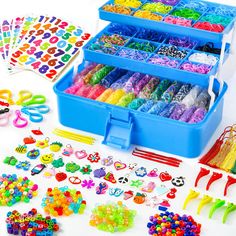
{"x":122,"y":126}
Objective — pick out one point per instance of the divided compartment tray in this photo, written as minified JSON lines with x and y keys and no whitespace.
{"x":144,"y":66}
{"x":122,"y":126}
{"x":168,"y":27}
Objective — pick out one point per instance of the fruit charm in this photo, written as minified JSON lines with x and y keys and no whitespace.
{"x":55,"y":146}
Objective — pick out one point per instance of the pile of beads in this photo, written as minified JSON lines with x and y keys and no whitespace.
{"x":157,"y":7}
{"x":63,"y":201}
{"x":167,"y":2}
{"x":113,"y":39}
{"x":164,"y":61}
{"x":186,"y":13}
{"x":184,"y":42}
{"x":30,"y":224}
{"x":209,"y":27}
{"x":129,"y":3}
{"x":117,"y":9}
{"x":172,"y":51}
{"x":203,"y":58}
{"x":216,"y":19}
{"x":147,"y":15}
{"x":171,"y":224}
{"x":178,"y":21}
{"x":112,"y":217}
{"x":15,"y":189}
{"x":143,"y":46}
{"x":198,"y":68}
{"x":132,"y":54}
{"x":104,"y":48}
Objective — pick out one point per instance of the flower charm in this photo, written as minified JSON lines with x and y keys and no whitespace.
{"x":25,"y":165}
{"x":86,"y":170}
{"x":88,"y":184}
{"x":94,"y":158}
{"x":141,"y":172}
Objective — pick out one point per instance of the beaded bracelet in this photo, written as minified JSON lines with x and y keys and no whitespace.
{"x":172,"y":51}
{"x":129,"y":3}
{"x":198,"y":68}
{"x":118,"y":9}
{"x":157,"y":7}
{"x":178,"y":21}
{"x":186,"y":13}
{"x":143,"y":46}
{"x":147,"y":15}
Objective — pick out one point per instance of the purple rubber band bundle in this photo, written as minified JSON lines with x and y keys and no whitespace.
{"x":168,"y":110}
{"x":198,"y":115}
{"x":198,"y":68}
{"x":186,"y":116}
{"x":133,"y":54}
{"x":184,"y":42}
{"x":163,"y":61}
{"x":149,"y":88}
{"x":120,"y":83}
{"x":140,"y":85}
{"x":132,"y":82}
{"x":157,"y":108}
{"x":178,"y":111}
{"x":167,"y":2}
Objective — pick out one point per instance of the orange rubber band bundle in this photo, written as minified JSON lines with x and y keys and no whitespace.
{"x":118,"y":9}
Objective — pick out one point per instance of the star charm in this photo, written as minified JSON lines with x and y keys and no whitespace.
{"x":136,"y":183}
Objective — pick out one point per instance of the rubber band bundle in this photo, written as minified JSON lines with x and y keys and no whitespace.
{"x":222,"y":155}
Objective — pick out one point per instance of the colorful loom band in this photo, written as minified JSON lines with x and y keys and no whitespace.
{"x":223,"y":11}
{"x":132,"y":82}
{"x":115,"y":96}
{"x":143,"y":46}
{"x":126,"y":100}
{"x":157,"y":7}
{"x":150,"y":35}
{"x":85,"y":71}
{"x":217,"y":19}
{"x":184,"y":42}
{"x":96,"y":91}
{"x":161,"y":88}
{"x":84,"y":90}
{"x":190,"y":99}
{"x":120,"y":83}
{"x":168,"y":110}
{"x":146,"y":106}
{"x":197,"y":68}
{"x":112,"y":77}
{"x":186,"y":13}
{"x":129,"y":3}
{"x":203,"y":58}
{"x":133,"y":54}
{"x":172,"y":51}
{"x":140,"y":85}
{"x":115,"y":39}
{"x":209,"y":27}
{"x":117,"y":9}
{"x":149,"y":88}
{"x":186,"y":116}
{"x":99,"y":75}
{"x":198,"y":115}
{"x":183,"y":91}
{"x":200,"y":6}
{"x":157,"y":108}
{"x":136,"y":103}
{"x":178,"y":111}
{"x":122,"y":29}
{"x":147,"y":15}
{"x":74,"y":88}
{"x":88,"y":76}
{"x":203,"y":99}
{"x":103,"y":48}
{"x":167,"y":2}
{"x":163,"y":61}
{"x":105,"y":95}
{"x":168,"y":95}
{"x":178,"y":21}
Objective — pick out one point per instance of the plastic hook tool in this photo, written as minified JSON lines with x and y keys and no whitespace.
{"x":206,"y":199}
{"x":230,"y":208}
{"x":230,"y":182}
{"x":203,"y":172}
{"x":217,"y":204}
{"x":215,"y":176}
{"x":192,"y":195}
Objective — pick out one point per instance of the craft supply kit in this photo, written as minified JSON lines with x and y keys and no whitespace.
{"x":133,"y":86}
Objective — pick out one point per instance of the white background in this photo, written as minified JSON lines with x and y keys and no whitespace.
{"x":85,"y":13}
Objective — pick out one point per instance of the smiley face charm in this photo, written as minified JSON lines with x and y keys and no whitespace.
{"x":47,"y":158}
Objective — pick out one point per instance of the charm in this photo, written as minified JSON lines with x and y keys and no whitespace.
{"x":43,"y":143}
{"x":72,"y":167}
{"x":128,"y":194}
{"x":10,"y":161}
{"x":21,"y":149}
{"x":153,"y":173}
{"x":141,"y":172}
{"x":149,"y":188}
{"x":99,"y":173}
{"x":107,"y":161}
{"x":33,"y":154}
{"x":136,"y":183}
{"x":38,"y":169}
{"x":61,"y":176}
{"x":47,"y":158}
{"x":88,"y":184}
{"x":58,"y":163}
{"x":153,"y":202}
{"x":123,"y":180}
{"x":29,"y":140}
{"x":74,"y":180}
{"x":68,"y":151}
{"x":55,"y":146}
{"x":115,"y":192}
{"x":165,"y":203}
{"x":86,"y":170}
{"x":140,"y":198}
{"x":119,"y":165}
{"x":161,"y":190}
{"x":110,"y":178}
{"x":171,"y":194}
{"x":24,"y":165}
{"x":94,"y":158}
{"x":81,"y":154}
{"x":102,"y":188}
{"x":178,"y":181}
{"x":132,"y":166}
{"x":49,"y":173}
{"x":37,"y":132}
{"x":165,"y":176}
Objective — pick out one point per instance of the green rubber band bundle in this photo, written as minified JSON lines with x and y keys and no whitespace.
{"x":143,"y":46}
{"x":98,"y":76}
{"x":186,"y":13}
{"x":157,"y":7}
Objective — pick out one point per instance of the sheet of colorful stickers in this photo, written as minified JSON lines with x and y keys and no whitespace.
{"x":43,"y":44}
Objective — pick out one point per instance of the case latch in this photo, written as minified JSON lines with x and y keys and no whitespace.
{"x":118,"y":129}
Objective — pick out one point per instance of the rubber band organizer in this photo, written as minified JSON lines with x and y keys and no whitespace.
{"x":145,"y":58}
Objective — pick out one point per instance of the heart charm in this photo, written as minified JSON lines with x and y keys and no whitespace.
{"x":164,"y":176}
{"x":81,"y":154}
{"x":29,"y":140}
{"x":60,"y":176}
{"x":119,"y":165}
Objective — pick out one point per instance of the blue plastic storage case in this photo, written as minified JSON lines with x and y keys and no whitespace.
{"x":122,"y":127}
